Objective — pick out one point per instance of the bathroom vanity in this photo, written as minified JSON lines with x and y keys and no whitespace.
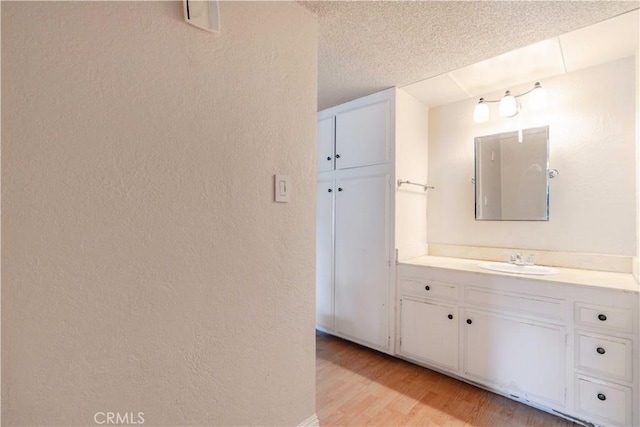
{"x":564,"y":343}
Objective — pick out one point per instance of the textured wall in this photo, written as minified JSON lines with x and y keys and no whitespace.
{"x":145,"y":265}
{"x":592,"y":144}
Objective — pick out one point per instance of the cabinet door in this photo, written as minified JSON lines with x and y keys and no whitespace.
{"x":325,"y":144}
{"x":611,"y":403}
{"x":429,"y":332}
{"x":363,"y":136}
{"x":324,"y":254}
{"x":362,"y":257}
{"x":522,"y":357}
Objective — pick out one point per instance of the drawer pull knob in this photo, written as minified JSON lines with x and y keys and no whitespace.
{"x":337,"y":156}
{"x":469,"y":321}
{"x":600,"y":350}
{"x":329,"y":190}
{"x":328,"y":158}
{"x":602,"y":317}
{"x":450,"y":316}
{"x":602,"y":396}
{"x":426,"y":288}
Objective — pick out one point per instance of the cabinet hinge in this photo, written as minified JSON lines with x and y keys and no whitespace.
{"x":389,"y":341}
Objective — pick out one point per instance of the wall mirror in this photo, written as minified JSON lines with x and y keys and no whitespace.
{"x":512,"y":176}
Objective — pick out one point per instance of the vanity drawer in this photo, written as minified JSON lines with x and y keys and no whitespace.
{"x":611,"y":318}
{"x":550,"y":308}
{"x":609,"y":402}
{"x":604,"y":355}
{"x":429,"y":289}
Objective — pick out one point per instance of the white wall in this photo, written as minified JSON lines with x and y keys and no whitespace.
{"x":592,"y":144}
{"x":411,"y":164}
{"x":145,"y":265}
{"x":636,"y":266}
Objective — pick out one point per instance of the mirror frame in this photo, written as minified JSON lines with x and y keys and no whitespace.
{"x":507,"y":135}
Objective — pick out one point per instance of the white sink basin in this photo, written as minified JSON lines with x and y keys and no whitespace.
{"x":505,"y":267}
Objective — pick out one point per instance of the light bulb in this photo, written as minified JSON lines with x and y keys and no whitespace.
{"x":481,"y":112}
{"x":508,"y":106}
{"x":537,"y":97}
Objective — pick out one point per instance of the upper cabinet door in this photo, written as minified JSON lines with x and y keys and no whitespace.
{"x":363,"y":136}
{"x":326,"y":144}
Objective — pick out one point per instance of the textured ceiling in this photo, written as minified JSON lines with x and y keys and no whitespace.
{"x":599,"y":43}
{"x":367,"y":46}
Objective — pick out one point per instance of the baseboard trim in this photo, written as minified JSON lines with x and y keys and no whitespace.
{"x":312,"y":421}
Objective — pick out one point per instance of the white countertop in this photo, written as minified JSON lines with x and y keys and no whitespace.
{"x":602,"y":279}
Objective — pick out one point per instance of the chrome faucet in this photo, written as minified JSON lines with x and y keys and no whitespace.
{"x":518,"y":259}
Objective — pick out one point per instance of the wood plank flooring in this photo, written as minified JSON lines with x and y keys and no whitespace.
{"x":356,"y":386}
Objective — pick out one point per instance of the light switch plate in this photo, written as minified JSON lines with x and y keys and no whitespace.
{"x":282,"y":188}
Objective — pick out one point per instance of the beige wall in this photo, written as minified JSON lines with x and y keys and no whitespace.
{"x":592,"y":144}
{"x":145,"y":265}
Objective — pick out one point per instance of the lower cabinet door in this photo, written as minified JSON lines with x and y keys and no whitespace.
{"x":610,"y":403}
{"x":362,"y":265}
{"x":522,"y":357}
{"x":429,"y":333}
{"x":325,"y":197}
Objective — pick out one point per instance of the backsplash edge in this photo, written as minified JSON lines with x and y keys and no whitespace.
{"x":582,"y":261}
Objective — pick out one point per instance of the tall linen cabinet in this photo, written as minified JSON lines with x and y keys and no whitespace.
{"x":364,"y":146}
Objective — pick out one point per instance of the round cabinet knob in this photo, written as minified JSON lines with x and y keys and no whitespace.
{"x":469,"y":321}
{"x":339,"y":188}
{"x":328,"y":158}
{"x":337,"y":156}
{"x":600,"y":350}
{"x":602,"y":317}
{"x":330,"y":190}
{"x":602,"y":396}
{"x":450,"y":316}
{"x":426,"y":288}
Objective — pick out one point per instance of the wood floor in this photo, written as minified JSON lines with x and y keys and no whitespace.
{"x":357,"y":386}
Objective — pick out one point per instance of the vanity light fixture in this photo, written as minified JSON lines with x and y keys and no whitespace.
{"x":537,"y":97}
{"x":481,"y":112}
{"x":509,"y":106}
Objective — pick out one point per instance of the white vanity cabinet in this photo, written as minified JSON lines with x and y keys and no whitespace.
{"x":521,"y":357}
{"x":518,"y":341}
{"x":429,"y":322}
{"x":429,"y":332}
{"x":604,"y":348}
{"x":569,"y":349}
